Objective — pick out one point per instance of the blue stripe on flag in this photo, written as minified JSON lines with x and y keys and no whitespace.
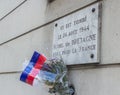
{"x":34,"y":58}
{"x":24,"y":76}
{"x":28,"y":69}
{"x":25,"y":73}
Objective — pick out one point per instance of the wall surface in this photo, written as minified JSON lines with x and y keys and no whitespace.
{"x":27,"y":25}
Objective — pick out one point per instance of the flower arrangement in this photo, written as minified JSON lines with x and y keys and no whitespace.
{"x":51,"y":72}
{"x":60,"y":83}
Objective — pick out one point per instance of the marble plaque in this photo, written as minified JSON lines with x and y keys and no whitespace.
{"x":76,"y":37}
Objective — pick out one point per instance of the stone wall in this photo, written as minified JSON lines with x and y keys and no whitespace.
{"x":27,"y":25}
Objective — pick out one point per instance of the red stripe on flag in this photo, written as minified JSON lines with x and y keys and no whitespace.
{"x":30,"y":79}
{"x":32,"y":76}
{"x":40,"y":62}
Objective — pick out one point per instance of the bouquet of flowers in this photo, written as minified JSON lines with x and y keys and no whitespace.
{"x":50,"y":72}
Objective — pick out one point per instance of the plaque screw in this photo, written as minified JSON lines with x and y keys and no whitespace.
{"x":93,"y":10}
{"x":56,"y":25}
{"x":92,"y":56}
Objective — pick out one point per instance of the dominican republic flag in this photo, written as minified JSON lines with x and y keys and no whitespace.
{"x":32,"y":70}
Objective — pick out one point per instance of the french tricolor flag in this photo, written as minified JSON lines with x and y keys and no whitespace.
{"x":32,"y":70}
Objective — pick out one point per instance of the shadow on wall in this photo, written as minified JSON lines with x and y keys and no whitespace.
{"x":49,"y":1}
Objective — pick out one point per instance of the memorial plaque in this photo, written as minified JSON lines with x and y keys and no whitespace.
{"x":77,"y":36}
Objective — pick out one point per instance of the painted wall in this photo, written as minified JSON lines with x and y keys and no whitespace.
{"x":27,"y":25}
